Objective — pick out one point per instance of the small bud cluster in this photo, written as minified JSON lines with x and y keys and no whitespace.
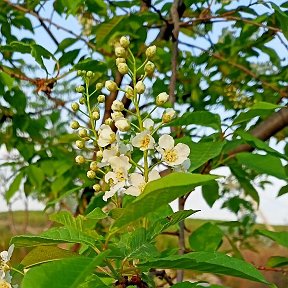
{"x":237,"y":98}
{"x":112,"y":151}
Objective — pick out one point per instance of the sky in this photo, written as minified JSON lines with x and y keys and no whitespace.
{"x":272,"y":209}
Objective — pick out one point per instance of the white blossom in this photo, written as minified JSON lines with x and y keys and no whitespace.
{"x":148,"y":124}
{"x":172,"y":155}
{"x":117,"y":105}
{"x":4,"y":259}
{"x":122,"y":124}
{"x":106,"y":135}
{"x":162,"y":98}
{"x":143,"y":141}
{"x":138,"y":182}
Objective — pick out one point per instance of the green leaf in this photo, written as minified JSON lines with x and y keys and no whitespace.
{"x":283,"y":190}
{"x":96,"y":213}
{"x":66,"y":273}
{"x":14,"y":187}
{"x":42,"y":254}
{"x":159,"y":193}
{"x":259,"y":144}
{"x":277,"y":261}
{"x":263,"y":163}
{"x":279,"y":237}
{"x":207,"y":237}
{"x":201,"y":152}
{"x":68,"y":57}
{"x":202,"y":118}
{"x":212,"y":262}
{"x":39,"y":52}
{"x":54,"y":236}
{"x":210,"y":192}
{"x":35,"y":175}
{"x":282,"y":18}
{"x":186,"y":284}
{"x":91,"y":65}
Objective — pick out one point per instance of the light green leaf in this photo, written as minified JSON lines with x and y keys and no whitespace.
{"x":279,"y":237}
{"x":66,"y":273}
{"x":266,"y":164}
{"x":207,"y":237}
{"x":202,"y":118}
{"x":36,"y":175}
{"x":42,"y":254}
{"x":54,"y":236}
{"x":14,"y":187}
{"x":212,"y":262}
{"x":159,"y":193}
{"x":96,"y":213}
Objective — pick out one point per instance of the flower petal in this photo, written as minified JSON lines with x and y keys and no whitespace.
{"x":137,"y":180}
{"x":134,"y":191}
{"x":166,"y":142}
{"x":153,"y":175}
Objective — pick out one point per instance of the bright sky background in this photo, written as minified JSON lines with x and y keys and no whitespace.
{"x":273,"y":209}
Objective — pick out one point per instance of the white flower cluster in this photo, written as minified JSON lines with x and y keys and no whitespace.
{"x":115,"y":169}
{"x":5,"y":277}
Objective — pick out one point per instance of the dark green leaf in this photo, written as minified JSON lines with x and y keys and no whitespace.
{"x":210,"y":192}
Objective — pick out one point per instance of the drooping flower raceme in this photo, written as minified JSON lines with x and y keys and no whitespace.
{"x":138,"y":182}
{"x":172,"y":155}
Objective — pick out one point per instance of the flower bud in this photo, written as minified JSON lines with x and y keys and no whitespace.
{"x":120,"y":60}
{"x":83,"y":72}
{"x":82,"y":100}
{"x":116,"y":115}
{"x":168,"y":115}
{"x":74,"y":125}
{"x":124,"y":42}
{"x":99,"y":86}
{"x":96,"y":187}
{"x":108,"y":121}
{"x":162,"y":98}
{"x":80,"y":159}
{"x":75,"y":106}
{"x":129,"y":92}
{"x":149,"y":68}
{"x":140,"y":87}
{"x":117,"y":105}
{"x":79,"y":73}
{"x":99,"y":154}
{"x":123,"y":68}
{"x":80,"y":89}
{"x":122,"y":124}
{"x":150,"y":51}
{"x":111,"y":86}
{"x":91,"y":174}
{"x":120,"y":52}
{"x":89,"y":74}
{"x":83,"y":133}
{"x":101,"y":98}
{"x":80,"y":144}
{"x":93,"y":166}
{"x":95,"y":115}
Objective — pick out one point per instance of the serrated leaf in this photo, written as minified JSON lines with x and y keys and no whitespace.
{"x":159,"y":193}
{"x":202,"y":118}
{"x":279,"y":237}
{"x":54,"y":236}
{"x":42,"y":254}
{"x":263,"y":163}
{"x":212,"y":262}
{"x":207,"y":237}
{"x":66,"y":273}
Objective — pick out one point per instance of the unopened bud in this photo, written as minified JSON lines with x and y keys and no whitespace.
{"x":75,"y":106}
{"x":80,"y":144}
{"x":99,"y":86}
{"x":117,"y":105}
{"x":89,"y":74}
{"x":80,"y":89}
{"x":95,"y":115}
{"x":108,"y":121}
{"x":120,"y":60}
{"x":93,"y":166}
{"x":96,"y":187}
{"x":129,"y":92}
{"x":122,"y":124}
{"x":151,"y":51}
{"x":74,"y":125}
{"x":116,"y":115}
{"x":120,"y":52}
{"x":124,"y":42}
{"x":149,"y":68}
{"x":101,"y":98}
{"x":80,"y":159}
{"x":82,"y":100}
{"x":140,"y":87}
{"x":168,"y":115}
{"x":162,"y":98}
{"x":111,"y":86}
{"x":91,"y":174}
{"x":99,"y":154}
{"x":123,"y":68}
{"x":83,"y":133}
